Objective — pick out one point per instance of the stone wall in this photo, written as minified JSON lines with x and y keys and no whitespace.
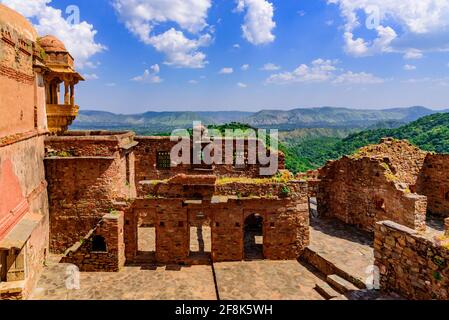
{"x":87,"y":258}
{"x":81,"y":191}
{"x":410,"y":263}
{"x":363,"y":190}
{"x":23,"y":201}
{"x":146,"y":162}
{"x":433,"y":182}
{"x":285,"y":223}
{"x":404,"y":159}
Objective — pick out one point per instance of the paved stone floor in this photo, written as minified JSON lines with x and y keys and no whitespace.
{"x":140,"y":283}
{"x":349,"y":248}
{"x":265,"y":280}
{"x":254,"y":280}
{"x":435,"y":226}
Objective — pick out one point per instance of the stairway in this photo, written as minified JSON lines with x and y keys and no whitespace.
{"x":335,"y":288}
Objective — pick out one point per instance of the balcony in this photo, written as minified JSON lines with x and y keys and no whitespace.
{"x":60,"y":117}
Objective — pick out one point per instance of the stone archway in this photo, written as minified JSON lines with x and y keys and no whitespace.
{"x":253,"y":237}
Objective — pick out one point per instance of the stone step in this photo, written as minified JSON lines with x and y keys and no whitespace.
{"x":326,"y":291}
{"x":328,"y":267}
{"x":12,"y":290}
{"x":343,"y":286}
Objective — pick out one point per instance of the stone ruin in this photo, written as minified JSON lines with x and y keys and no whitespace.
{"x":84,"y":194}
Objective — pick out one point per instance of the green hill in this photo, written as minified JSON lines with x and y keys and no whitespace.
{"x":430,"y":133}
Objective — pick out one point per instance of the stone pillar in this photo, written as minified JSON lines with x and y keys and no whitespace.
{"x":72,"y":94}
{"x":446,"y":227}
{"x":66,"y":93}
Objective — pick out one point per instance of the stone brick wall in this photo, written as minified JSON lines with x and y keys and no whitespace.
{"x":146,"y":162}
{"x":410,"y":263}
{"x":433,"y":182}
{"x":81,"y":190}
{"x":364,"y":190}
{"x":84,"y":256}
{"x":285,"y":224}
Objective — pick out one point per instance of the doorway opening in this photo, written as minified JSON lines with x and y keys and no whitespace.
{"x":253,"y":238}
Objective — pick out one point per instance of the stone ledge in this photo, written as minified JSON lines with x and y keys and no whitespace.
{"x":398,"y":227}
{"x":19,"y":235}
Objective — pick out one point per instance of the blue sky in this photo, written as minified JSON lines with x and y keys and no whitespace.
{"x":314,"y":53}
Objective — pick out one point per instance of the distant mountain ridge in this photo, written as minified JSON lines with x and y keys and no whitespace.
{"x":325,"y":117}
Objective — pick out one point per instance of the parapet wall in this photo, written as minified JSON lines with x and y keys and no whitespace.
{"x":433,"y":182}
{"x":410,"y":263}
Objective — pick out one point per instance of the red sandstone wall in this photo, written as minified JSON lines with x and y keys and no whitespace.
{"x":111,"y":228}
{"x":146,"y":162}
{"x":22,"y":125}
{"x":17,"y":85}
{"x":433,"y":182}
{"x":81,"y":191}
{"x":286,"y":226}
{"x":362,"y":192}
{"x":411,"y":264}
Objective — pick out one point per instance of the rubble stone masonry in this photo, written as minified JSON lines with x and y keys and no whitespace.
{"x":88,"y":258}
{"x":411,"y":264}
{"x":433,"y":182}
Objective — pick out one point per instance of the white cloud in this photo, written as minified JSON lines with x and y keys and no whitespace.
{"x":413,"y":54}
{"x":409,"y":67}
{"x":259,"y":24}
{"x":319,"y":71}
{"x":180,"y":51}
{"x":226,"y":71}
{"x":141,"y":16}
{"x":357,"y":78}
{"x":193,"y":82}
{"x":245,"y":67}
{"x":236,"y":46}
{"x":433,"y":81}
{"x":400,"y":26}
{"x":150,"y":75}
{"x":91,"y":76}
{"x":110,"y":84}
{"x":323,"y":71}
{"x":270,"y":67}
{"x":79,"y":38}
{"x":242,"y":85}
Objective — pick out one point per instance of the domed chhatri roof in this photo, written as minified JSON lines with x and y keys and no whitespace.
{"x":52,"y":44}
{"x":17,"y":22}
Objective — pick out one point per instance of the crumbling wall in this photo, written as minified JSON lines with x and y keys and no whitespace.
{"x":81,"y":190}
{"x":87,"y":258}
{"x":146,"y":162}
{"x":410,"y":263}
{"x":433,"y":182}
{"x":363,"y":191}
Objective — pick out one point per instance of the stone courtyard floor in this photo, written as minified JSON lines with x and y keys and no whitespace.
{"x":265,"y":280}
{"x":252,"y":280}
{"x":348,"y":248}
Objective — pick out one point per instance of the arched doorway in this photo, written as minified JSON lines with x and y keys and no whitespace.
{"x":253,"y":237}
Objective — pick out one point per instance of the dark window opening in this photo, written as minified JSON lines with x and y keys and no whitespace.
{"x":161,"y":224}
{"x":163,"y":160}
{"x":180,"y":224}
{"x":446,"y":196}
{"x":380,"y":205}
{"x":99,"y":244}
